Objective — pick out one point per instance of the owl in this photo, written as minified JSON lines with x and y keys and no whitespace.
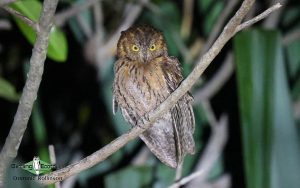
{"x":144,"y":77}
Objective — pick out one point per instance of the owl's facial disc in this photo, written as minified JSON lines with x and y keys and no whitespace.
{"x":143,"y":52}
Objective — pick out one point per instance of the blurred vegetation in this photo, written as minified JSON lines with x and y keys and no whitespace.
{"x":74,"y":113}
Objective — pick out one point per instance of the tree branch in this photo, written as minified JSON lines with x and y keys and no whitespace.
{"x":13,"y":140}
{"x":273,"y":20}
{"x":226,"y":70}
{"x":219,"y":25}
{"x":100,"y":155}
{"x":25,"y":19}
{"x":258,"y":18}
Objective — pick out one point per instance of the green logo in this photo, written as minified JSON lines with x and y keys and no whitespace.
{"x":37,"y":166}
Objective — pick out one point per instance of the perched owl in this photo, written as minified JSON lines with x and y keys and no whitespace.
{"x":144,"y":77}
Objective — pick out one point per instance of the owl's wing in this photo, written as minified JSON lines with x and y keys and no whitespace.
{"x":182,"y":112}
{"x":160,"y":140}
{"x":185,"y":124}
{"x":129,"y":115}
{"x":115,"y":89}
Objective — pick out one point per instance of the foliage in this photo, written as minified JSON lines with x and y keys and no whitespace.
{"x":268,"y":129}
{"x":58,"y":46}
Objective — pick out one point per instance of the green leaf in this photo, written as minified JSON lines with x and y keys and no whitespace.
{"x":39,"y":131}
{"x":8,"y":91}
{"x":58,"y":47}
{"x":270,"y":140}
{"x":211,"y":9}
{"x":133,"y":177}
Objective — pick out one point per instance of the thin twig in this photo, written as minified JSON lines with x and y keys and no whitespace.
{"x":85,"y":27}
{"x":53,"y":161}
{"x":258,"y":18}
{"x":219,"y":25}
{"x":210,"y":155}
{"x":25,"y":19}
{"x":52,"y":154}
{"x":99,"y":26}
{"x":212,"y":120}
{"x":29,"y":94}
{"x":95,"y":42}
{"x":63,"y":16}
{"x":149,"y":118}
{"x":291,"y":37}
{"x":187,"y":20}
{"x":222,"y":182}
{"x":273,"y":20}
{"x":226,"y":70}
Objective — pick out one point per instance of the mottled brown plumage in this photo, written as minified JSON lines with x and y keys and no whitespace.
{"x":144,"y":77}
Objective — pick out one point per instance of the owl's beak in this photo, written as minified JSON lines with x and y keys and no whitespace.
{"x":145,"y":56}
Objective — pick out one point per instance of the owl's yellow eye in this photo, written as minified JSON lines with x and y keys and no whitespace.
{"x":135,"y":48}
{"x":152,"y":47}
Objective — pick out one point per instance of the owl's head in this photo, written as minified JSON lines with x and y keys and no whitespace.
{"x":141,"y":43}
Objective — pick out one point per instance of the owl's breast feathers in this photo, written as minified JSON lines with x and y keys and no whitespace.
{"x":139,"y":88}
{"x":145,"y":85}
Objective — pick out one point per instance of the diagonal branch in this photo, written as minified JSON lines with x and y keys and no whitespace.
{"x":226,"y":70}
{"x":25,"y":19}
{"x":100,"y":155}
{"x":258,"y":18}
{"x":219,"y":24}
{"x":29,"y":94}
